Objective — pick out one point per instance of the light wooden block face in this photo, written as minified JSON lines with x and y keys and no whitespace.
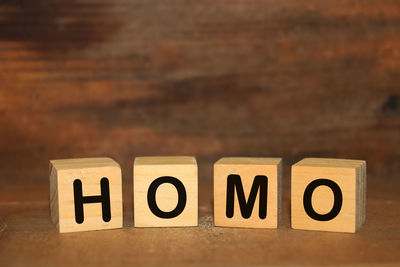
{"x":328,"y":194}
{"x":260,"y":179}
{"x":85,"y":194}
{"x":165,"y":192}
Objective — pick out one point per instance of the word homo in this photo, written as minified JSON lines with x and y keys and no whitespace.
{"x":326,"y":194}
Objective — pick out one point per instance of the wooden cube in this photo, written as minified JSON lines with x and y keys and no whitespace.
{"x":85,"y":194}
{"x":328,"y":194}
{"x":165,"y":191}
{"x":247,"y":192}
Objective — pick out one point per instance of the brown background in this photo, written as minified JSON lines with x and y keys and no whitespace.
{"x":204,"y":78}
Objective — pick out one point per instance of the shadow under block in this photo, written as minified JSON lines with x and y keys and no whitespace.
{"x":95,"y":185}
{"x":328,"y":194}
{"x":258,"y":177}
{"x":165,"y":191}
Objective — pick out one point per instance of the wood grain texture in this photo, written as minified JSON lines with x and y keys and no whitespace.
{"x":89,"y":171}
{"x":347,"y":175}
{"x":27,"y":236}
{"x":167,"y":195}
{"x":247,"y":169}
{"x":127,"y":78}
{"x":219,"y":78}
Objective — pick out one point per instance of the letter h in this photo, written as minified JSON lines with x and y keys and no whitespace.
{"x":104,"y":199}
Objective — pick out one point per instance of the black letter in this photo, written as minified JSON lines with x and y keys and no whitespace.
{"x":151,"y":197}
{"x":104,"y":198}
{"x":337,"y":205}
{"x":246,"y":208}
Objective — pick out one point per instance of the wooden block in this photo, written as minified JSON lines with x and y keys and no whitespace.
{"x":247,"y":192}
{"x":85,"y":194}
{"x":165,"y":191}
{"x":328,"y":194}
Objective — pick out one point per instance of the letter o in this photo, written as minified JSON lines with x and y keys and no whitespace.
{"x":337,"y":204}
{"x":151,"y":197}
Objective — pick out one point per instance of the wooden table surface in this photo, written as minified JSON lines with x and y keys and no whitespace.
{"x":28,"y":237}
{"x":212,"y":78}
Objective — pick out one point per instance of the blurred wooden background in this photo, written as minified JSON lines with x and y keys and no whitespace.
{"x":122,"y":78}
{"x":205,"y":78}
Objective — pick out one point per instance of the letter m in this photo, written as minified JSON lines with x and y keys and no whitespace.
{"x":260,"y":183}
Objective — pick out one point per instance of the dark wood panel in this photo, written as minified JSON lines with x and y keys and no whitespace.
{"x":204,"y":78}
